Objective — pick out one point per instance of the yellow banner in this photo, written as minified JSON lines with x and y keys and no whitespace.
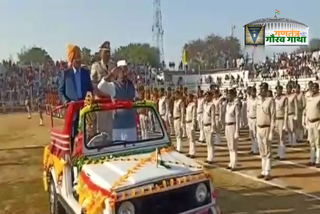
{"x":184,"y":57}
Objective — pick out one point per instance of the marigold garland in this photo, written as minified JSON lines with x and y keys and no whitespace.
{"x":50,"y":160}
{"x":91,"y":196}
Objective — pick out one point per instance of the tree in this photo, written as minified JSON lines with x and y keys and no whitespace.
{"x":314,"y":45}
{"x":86,"y":55}
{"x":212,"y":51}
{"x":138,"y":53}
{"x":32,"y":55}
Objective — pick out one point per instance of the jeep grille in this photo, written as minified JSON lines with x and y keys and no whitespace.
{"x":170,"y":202}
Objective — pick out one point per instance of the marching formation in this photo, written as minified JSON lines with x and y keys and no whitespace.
{"x":286,"y":117}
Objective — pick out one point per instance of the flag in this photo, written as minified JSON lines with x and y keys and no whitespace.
{"x":184,"y":57}
{"x":277,"y":12}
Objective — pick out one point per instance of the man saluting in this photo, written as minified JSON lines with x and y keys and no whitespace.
{"x":103,"y":120}
{"x":119,"y":87}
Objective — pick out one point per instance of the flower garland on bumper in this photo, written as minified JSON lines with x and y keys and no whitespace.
{"x":50,"y":160}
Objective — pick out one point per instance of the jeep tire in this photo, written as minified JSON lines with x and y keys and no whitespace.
{"x":55,"y":206}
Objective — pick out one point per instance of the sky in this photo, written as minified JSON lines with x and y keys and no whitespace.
{"x":54,"y":24}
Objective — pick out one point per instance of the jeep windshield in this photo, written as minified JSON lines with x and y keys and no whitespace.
{"x":121,"y":126}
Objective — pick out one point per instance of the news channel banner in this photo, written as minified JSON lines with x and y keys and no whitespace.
{"x":276,"y":32}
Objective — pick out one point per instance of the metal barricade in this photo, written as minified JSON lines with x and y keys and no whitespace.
{"x":52,"y":101}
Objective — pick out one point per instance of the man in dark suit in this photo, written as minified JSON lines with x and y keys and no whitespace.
{"x":74,"y":82}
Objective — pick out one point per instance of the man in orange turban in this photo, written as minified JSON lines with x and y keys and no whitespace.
{"x":75,"y":81}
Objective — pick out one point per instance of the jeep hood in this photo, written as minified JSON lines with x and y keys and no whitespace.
{"x":109,"y":173}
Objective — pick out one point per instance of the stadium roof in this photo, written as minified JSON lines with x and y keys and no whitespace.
{"x":275,"y":19}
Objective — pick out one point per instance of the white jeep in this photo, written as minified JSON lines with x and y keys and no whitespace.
{"x":134,"y":172}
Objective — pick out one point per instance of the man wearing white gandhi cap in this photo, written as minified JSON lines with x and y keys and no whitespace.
{"x":119,"y":87}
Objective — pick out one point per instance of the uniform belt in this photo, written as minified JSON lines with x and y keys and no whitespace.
{"x":176,"y":118}
{"x":189,"y":121}
{"x":263,"y":126}
{"x":292,"y":113}
{"x":230,"y":124}
{"x":252,"y":118}
{"x":207,"y":124}
{"x":200,"y":112}
{"x":314,"y":120}
{"x":279,"y":118}
{"x":216,"y":114}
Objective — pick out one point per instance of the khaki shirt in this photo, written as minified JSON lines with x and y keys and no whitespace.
{"x":218,"y":107}
{"x":307,"y":96}
{"x":163,"y":106}
{"x":301,"y":102}
{"x":191,"y":113}
{"x":233,"y":113}
{"x":252,"y":107}
{"x":281,"y":103}
{"x":98,"y":71}
{"x":209,"y":114}
{"x":312,"y":108}
{"x":178,"y":109}
{"x":266,"y":112}
{"x":292,"y":105}
{"x":200,"y":105}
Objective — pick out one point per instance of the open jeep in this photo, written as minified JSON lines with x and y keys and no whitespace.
{"x":95,"y":172}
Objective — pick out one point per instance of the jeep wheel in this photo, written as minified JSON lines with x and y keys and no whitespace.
{"x":55,"y":205}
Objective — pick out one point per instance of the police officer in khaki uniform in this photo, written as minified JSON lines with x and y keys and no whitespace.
{"x":217,"y":101}
{"x":163,"y":106}
{"x":102,"y":120}
{"x":170,"y":98}
{"x":265,"y":125}
{"x":252,"y":119}
{"x":313,"y":118}
{"x":178,"y":117}
{"x":101,"y":68}
{"x":301,"y":102}
{"x":185,"y":100}
{"x":281,"y":106}
{"x":143,"y":115}
{"x":209,"y":126}
{"x":191,"y":118}
{"x":200,"y":104}
{"x":292,"y":115}
{"x":307,"y":95}
{"x":232,"y":125}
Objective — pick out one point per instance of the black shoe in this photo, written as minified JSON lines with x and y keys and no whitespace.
{"x":260,"y":176}
{"x":190,"y":156}
{"x":251,"y":153}
{"x":178,"y":151}
{"x":228,"y":167}
{"x":317,"y":165}
{"x":311,"y":164}
{"x":209,"y":162}
{"x":277,"y":158}
{"x":267,"y":178}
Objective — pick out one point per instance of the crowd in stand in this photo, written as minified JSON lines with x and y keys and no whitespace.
{"x":19,"y":82}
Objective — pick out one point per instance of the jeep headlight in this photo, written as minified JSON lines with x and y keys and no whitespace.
{"x":201,"y":192}
{"x":126,"y":208}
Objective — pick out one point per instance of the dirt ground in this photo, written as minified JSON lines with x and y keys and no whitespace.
{"x":21,"y":147}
